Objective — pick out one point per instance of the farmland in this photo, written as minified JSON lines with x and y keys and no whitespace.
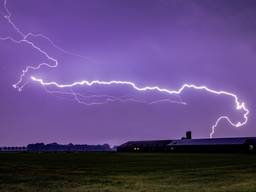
{"x":115,"y":172}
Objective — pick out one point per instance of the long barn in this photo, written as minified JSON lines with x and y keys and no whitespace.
{"x":187,"y":144}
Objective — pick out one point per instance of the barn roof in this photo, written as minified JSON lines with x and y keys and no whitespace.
{"x":215,"y":141}
{"x":186,"y":142}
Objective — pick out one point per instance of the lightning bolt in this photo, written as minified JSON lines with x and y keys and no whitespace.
{"x":238,"y":105}
{"x":25,"y":38}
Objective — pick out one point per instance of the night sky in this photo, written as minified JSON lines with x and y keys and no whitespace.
{"x":151,"y":43}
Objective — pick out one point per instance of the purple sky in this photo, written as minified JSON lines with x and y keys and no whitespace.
{"x":161,"y":42}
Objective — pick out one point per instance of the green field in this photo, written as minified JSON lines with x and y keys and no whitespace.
{"x":149,"y":172}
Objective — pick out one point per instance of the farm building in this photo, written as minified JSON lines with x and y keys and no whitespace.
{"x":144,"y":146}
{"x":187,"y":144}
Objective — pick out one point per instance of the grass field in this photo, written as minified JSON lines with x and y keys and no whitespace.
{"x":149,"y":172}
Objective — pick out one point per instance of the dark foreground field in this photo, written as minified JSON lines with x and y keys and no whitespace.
{"x":76,"y":172}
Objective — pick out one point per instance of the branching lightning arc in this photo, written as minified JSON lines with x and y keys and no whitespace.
{"x":53,"y":63}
